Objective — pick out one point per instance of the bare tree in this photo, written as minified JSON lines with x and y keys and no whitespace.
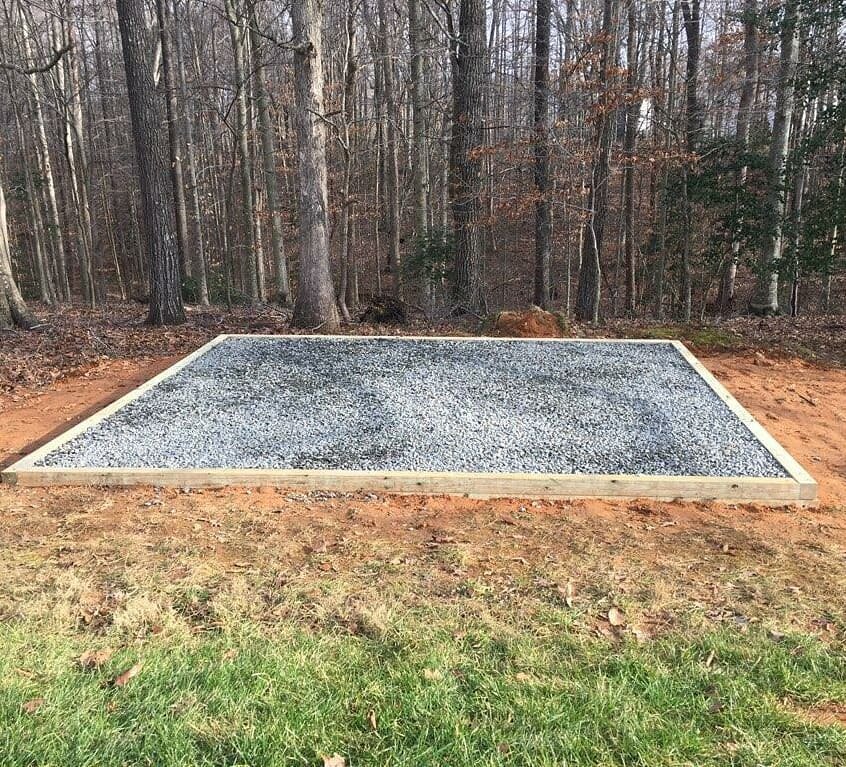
{"x":315,"y":306}
{"x":765,"y":301}
{"x":590,"y":274}
{"x":469,"y":80}
{"x":147,"y":117}
{"x":543,"y":204}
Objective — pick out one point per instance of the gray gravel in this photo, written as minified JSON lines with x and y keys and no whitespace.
{"x":429,"y":405}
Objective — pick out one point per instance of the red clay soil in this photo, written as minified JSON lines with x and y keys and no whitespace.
{"x":727,"y":562}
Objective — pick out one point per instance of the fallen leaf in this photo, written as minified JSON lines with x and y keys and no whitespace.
{"x":32,"y":705}
{"x":371,"y":718}
{"x":123,"y":679}
{"x":432,"y":674}
{"x":336,"y":760}
{"x":567,"y":593}
{"x":230,"y":654}
{"x":93,"y":659}
{"x":616,"y":617}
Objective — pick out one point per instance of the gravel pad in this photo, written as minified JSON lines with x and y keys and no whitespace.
{"x":428,"y":405}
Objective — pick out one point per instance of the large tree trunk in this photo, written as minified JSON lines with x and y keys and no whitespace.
{"x":469,"y":80}
{"x":315,"y":307}
{"x":765,"y":301}
{"x":693,"y":128}
{"x":13,"y":308}
{"x":590,"y":273}
{"x":268,"y":156}
{"x":543,"y":204}
{"x":174,"y":138}
{"x":147,"y":120}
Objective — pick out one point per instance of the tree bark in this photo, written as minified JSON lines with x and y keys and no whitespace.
{"x":629,"y":152}
{"x":543,"y":204}
{"x":315,"y":306}
{"x":147,"y":119}
{"x":268,"y":154}
{"x":174,"y":138}
{"x":469,"y":81}
{"x":765,"y":301}
{"x":199,"y":250}
{"x":13,"y":308}
{"x":420,"y":148}
{"x":242,"y":130}
{"x":391,"y":158}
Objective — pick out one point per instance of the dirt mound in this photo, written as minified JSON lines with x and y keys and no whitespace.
{"x":532,"y":323}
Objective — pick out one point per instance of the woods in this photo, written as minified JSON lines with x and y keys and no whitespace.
{"x":602,"y":159}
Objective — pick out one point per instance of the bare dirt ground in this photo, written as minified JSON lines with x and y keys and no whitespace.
{"x":146,"y":560}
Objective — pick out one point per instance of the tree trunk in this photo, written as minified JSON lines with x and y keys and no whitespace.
{"x":751,"y":58}
{"x":420,"y":148}
{"x":315,"y":306}
{"x":765,"y":301}
{"x":391,"y":149}
{"x":268,"y":155}
{"x":692,"y":130}
{"x":242,"y":130}
{"x":53,"y":219}
{"x":630,"y":151}
{"x":469,"y":80}
{"x":13,"y":308}
{"x":543,"y":204}
{"x":147,"y":119}
{"x":174,"y":138}
{"x":590,"y":274}
{"x":199,"y":271}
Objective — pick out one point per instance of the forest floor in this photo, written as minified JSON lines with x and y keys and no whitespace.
{"x":267,"y":627}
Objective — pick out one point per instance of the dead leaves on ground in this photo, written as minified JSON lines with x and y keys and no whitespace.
{"x":32,"y":705}
{"x":121,"y":680}
{"x":91,"y":660}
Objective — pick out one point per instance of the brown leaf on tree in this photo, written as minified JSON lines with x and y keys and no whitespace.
{"x":93,"y":659}
{"x":123,"y":679}
{"x":32,"y":705}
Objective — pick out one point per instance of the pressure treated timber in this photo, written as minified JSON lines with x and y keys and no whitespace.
{"x":797,"y":488}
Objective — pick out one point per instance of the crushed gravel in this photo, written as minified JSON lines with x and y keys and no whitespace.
{"x":429,"y":405}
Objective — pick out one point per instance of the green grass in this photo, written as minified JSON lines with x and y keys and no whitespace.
{"x":444,"y":692}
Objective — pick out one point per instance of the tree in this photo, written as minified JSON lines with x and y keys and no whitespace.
{"x":469,"y":79}
{"x":543,"y":205}
{"x":157,"y":207}
{"x":751,"y":58}
{"x":13,"y":308}
{"x":315,"y":306}
{"x":765,"y":301}
{"x":590,"y":274}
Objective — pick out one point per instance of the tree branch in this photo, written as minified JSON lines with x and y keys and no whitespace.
{"x":57,"y":57}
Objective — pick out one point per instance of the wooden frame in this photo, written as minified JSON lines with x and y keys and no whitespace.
{"x":797,"y":488}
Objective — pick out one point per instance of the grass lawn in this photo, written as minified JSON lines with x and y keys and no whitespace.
{"x":428,"y":690}
{"x":273,"y":628}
